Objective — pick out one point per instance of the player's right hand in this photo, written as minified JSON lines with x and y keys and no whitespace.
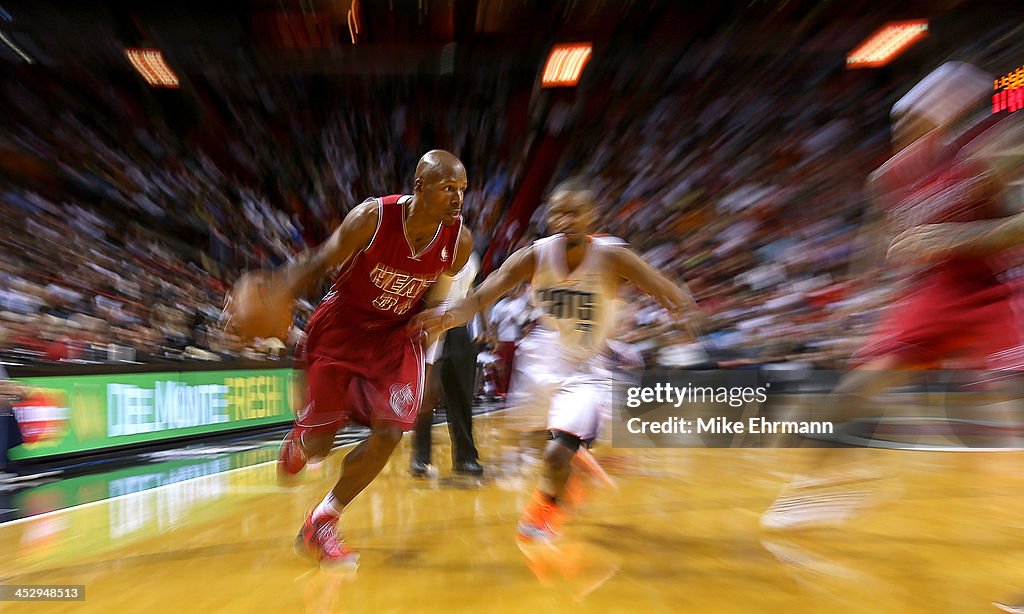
{"x":258,"y":305}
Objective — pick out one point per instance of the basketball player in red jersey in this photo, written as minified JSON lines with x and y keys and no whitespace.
{"x":945,"y":197}
{"x":361,"y":365}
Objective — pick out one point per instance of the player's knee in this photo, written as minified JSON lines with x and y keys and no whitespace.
{"x":556,"y":465}
{"x":557,"y":455}
{"x":385,"y":438}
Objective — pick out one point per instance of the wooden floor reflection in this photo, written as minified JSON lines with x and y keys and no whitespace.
{"x":681,"y":534}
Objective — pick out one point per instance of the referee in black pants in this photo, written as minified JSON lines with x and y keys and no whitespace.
{"x":452,"y":373}
{"x":10,"y":435}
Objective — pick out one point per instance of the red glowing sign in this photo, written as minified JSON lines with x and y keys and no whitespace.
{"x":1009,"y":92}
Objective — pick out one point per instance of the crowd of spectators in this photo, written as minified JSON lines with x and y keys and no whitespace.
{"x":128,"y":212}
{"x":126,"y":220}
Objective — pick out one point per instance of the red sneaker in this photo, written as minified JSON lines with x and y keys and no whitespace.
{"x":319,"y":539}
{"x":291,"y":459}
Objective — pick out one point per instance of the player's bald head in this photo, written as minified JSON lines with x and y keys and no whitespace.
{"x":438,"y":164}
{"x":440,"y":186}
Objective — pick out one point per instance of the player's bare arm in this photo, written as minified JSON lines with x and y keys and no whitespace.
{"x":931,"y":242}
{"x":517,"y":269}
{"x":281,"y":287}
{"x":441,"y":288}
{"x":634,"y":269}
{"x":352,"y":236}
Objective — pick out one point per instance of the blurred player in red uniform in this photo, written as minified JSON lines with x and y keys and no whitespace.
{"x":945,"y":197}
{"x":361,"y":363}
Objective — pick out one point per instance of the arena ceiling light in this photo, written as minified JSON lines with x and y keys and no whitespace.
{"x":565,"y":64}
{"x":887,"y":43}
{"x":151,"y":65}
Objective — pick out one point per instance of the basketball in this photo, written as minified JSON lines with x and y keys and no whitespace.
{"x":258,"y":306}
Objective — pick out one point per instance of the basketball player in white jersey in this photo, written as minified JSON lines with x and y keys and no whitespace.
{"x":575,"y":278}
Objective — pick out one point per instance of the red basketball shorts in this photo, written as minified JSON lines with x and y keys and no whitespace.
{"x":938,"y":325}
{"x":359,"y":374}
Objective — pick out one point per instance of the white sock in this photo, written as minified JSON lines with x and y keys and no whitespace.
{"x":329,"y":507}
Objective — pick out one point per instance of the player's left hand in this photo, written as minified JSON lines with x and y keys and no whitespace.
{"x":682,"y":308}
{"x":431,"y":323}
{"x":694,"y":323}
{"x":926,"y":243}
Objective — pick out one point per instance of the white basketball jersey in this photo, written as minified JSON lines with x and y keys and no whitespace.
{"x":578,"y":305}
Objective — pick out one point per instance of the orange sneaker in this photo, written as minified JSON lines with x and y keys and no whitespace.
{"x":542,"y":519}
{"x":587,"y":474}
{"x":575,"y":493}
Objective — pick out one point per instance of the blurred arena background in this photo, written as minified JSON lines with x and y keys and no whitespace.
{"x":728,"y":142}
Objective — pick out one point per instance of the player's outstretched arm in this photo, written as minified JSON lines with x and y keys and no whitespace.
{"x":353,"y":235}
{"x":261,"y":303}
{"x":517,"y":269}
{"x":931,"y":242}
{"x":676,"y":300}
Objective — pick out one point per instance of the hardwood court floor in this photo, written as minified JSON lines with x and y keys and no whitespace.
{"x":681,"y":534}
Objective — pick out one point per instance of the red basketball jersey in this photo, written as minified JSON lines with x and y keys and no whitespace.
{"x":932,"y":182}
{"x":928,"y":183}
{"x":384,"y":284}
{"x":959,"y":307}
